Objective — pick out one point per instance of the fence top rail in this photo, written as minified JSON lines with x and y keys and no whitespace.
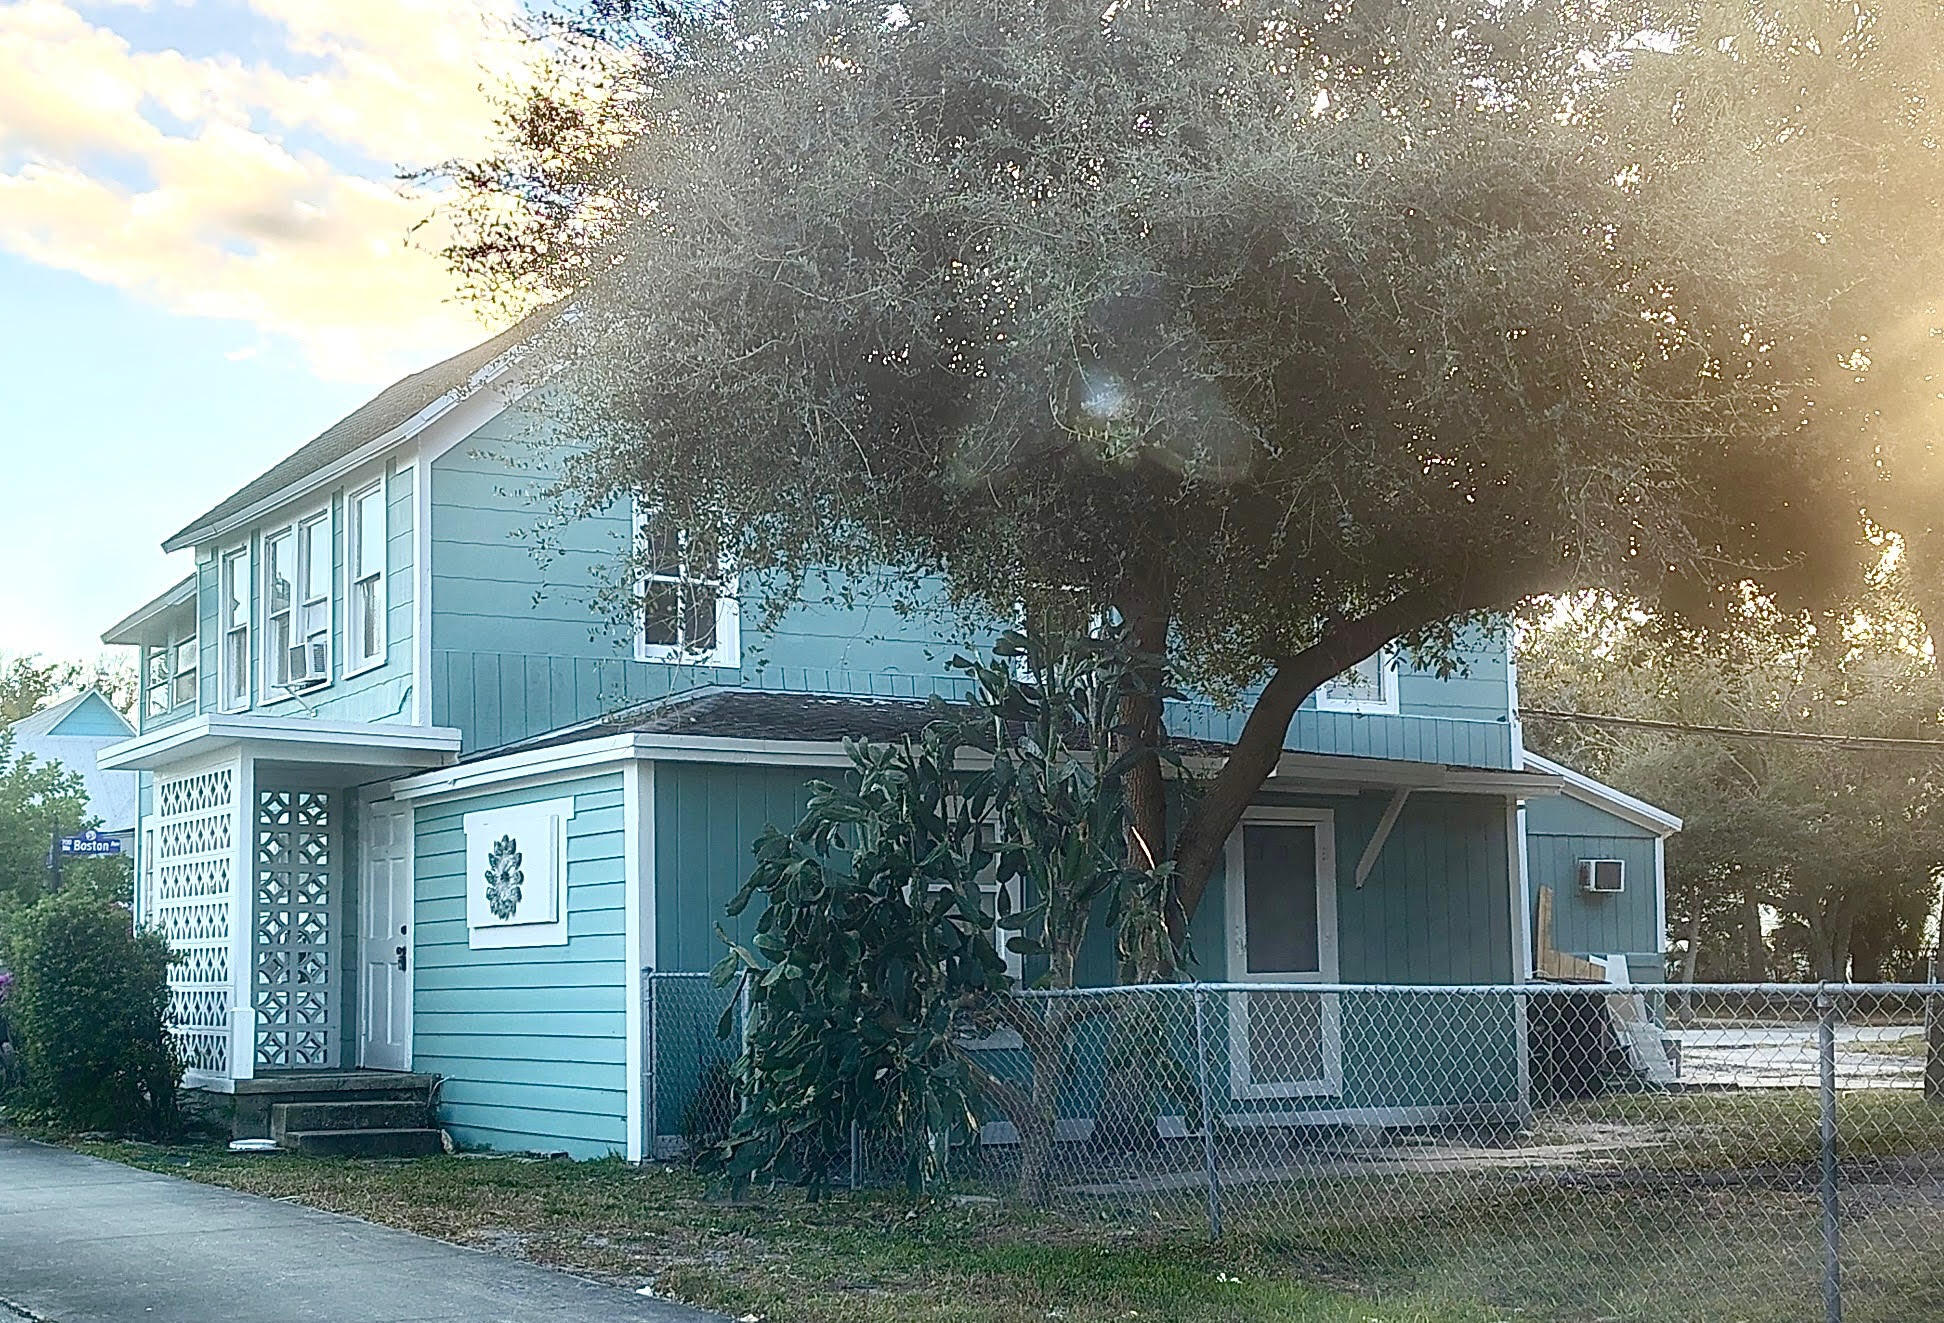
{"x":1537,"y":988}
{"x":1807,"y":991}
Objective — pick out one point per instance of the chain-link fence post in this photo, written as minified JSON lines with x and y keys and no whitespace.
{"x":742,"y":1012}
{"x":856,"y":1157}
{"x":1211,"y":1172}
{"x":1831,"y":1228}
{"x":1933,"y":1035}
{"x":650,"y":1141}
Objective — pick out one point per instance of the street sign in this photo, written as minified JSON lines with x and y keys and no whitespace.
{"x":88,"y":845}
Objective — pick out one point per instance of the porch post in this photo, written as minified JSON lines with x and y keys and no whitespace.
{"x":243,"y":1034}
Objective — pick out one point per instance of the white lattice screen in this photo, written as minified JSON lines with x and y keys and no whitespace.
{"x":295,"y":989}
{"x":193,"y":893}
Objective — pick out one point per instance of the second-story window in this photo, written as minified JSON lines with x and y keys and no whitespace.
{"x":689,"y":611}
{"x":233,"y":617}
{"x":1369,"y":686}
{"x":297,"y":605}
{"x":161,"y":681}
{"x":188,"y":664}
{"x":365,"y":555}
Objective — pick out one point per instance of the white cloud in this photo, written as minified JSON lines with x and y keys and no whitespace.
{"x":216,"y":187}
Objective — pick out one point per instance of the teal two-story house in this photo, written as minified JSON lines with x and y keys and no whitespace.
{"x":411,"y":801}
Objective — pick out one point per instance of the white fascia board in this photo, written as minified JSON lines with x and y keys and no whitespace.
{"x":378,"y":743}
{"x":1580,"y":786}
{"x":132,"y":629}
{"x":457,"y":416}
{"x":534,"y":766}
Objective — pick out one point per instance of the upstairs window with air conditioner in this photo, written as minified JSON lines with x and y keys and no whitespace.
{"x":1369,"y":686}
{"x":297,"y":576}
{"x":689,"y":612}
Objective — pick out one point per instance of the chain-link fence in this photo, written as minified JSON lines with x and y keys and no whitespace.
{"x":1686,"y":1151}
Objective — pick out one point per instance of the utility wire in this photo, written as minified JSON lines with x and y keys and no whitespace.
{"x":1736,"y":732}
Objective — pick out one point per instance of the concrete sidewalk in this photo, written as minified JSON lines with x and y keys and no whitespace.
{"x":87,"y":1241}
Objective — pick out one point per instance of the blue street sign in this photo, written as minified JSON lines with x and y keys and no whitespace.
{"x":89,"y":845}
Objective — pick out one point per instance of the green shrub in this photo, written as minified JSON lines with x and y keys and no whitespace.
{"x":87,"y":1010}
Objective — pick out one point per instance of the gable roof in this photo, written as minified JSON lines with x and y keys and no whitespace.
{"x":71,"y":733}
{"x":1600,"y":795}
{"x":427,"y":393}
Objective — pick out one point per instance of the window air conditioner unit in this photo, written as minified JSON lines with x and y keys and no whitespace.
{"x":1604,"y":877}
{"x":310,"y":662}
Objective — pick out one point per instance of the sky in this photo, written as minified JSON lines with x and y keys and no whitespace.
{"x":206,"y":258}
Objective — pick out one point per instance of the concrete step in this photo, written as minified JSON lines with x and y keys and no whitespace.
{"x":404,"y":1143}
{"x":355,"y":1115}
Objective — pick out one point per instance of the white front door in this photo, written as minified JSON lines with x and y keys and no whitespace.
{"x":385,"y":938}
{"x":1282,"y":930}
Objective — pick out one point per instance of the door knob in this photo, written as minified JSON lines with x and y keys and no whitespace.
{"x":399,"y":956}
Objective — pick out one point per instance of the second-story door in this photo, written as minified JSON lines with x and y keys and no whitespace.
{"x":385,"y":938}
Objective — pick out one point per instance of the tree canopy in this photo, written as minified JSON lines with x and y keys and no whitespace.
{"x":1282,"y":330}
{"x":1798,"y":857}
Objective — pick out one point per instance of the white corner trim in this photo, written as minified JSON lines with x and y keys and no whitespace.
{"x":1580,"y":786}
{"x":1660,"y":892}
{"x":421,"y":588}
{"x":638,"y":902}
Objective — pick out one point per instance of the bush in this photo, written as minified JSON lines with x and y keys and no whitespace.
{"x":87,"y":1009}
{"x":12,"y":1072}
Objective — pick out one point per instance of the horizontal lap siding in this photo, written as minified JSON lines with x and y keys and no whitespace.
{"x":531,"y":1040}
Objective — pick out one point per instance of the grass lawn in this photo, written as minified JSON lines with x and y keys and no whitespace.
{"x":1727,"y":1235}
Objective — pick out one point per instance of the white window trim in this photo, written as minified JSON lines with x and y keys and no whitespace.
{"x":1241,"y":1084}
{"x":353,"y":543}
{"x":1384,"y":705}
{"x":727,"y":652}
{"x":298,"y":602}
{"x":225,"y":701}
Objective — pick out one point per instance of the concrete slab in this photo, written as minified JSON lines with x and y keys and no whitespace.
{"x":87,"y":1241}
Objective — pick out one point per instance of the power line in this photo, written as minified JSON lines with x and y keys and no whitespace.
{"x":1737,"y":732}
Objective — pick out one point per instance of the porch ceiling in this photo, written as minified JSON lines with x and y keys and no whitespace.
{"x":350,"y":747}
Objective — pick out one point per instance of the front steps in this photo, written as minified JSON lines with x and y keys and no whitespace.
{"x":353,"y":1113}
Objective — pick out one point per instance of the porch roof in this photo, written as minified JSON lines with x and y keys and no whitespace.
{"x":140,"y":625}
{"x":381,"y":746}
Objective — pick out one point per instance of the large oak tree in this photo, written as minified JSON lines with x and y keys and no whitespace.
{"x":1285,"y":329}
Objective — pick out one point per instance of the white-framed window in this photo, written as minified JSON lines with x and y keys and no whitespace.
{"x":689,"y":611}
{"x":169,"y":671}
{"x":297,"y":576}
{"x":233,"y":618}
{"x":160,"y":680}
{"x":1369,"y":686}
{"x":365,"y":595}
{"x":188,"y":666}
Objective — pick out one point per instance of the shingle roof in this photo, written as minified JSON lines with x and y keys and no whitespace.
{"x":754,"y":714}
{"x":396,"y":404}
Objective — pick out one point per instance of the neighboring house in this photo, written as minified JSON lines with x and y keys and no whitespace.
{"x":416,"y":803}
{"x":73,"y":733}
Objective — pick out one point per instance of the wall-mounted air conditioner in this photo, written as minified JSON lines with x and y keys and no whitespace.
{"x":310,"y":663}
{"x":1603,"y":877}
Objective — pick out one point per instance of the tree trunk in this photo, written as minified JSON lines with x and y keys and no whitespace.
{"x":1754,"y":949}
{"x":1693,"y":953}
{"x":1147,"y":800}
{"x":1205,"y":832}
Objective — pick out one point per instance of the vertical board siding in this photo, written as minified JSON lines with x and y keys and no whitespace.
{"x":531,"y":1040}
{"x":1586,"y":924}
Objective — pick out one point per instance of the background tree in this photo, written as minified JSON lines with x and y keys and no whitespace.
{"x":29,"y":682}
{"x":1839,"y":846}
{"x":37,"y":800}
{"x":1284,"y":330}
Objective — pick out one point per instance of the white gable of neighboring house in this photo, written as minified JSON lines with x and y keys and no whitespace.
{"x":72,"y":733}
